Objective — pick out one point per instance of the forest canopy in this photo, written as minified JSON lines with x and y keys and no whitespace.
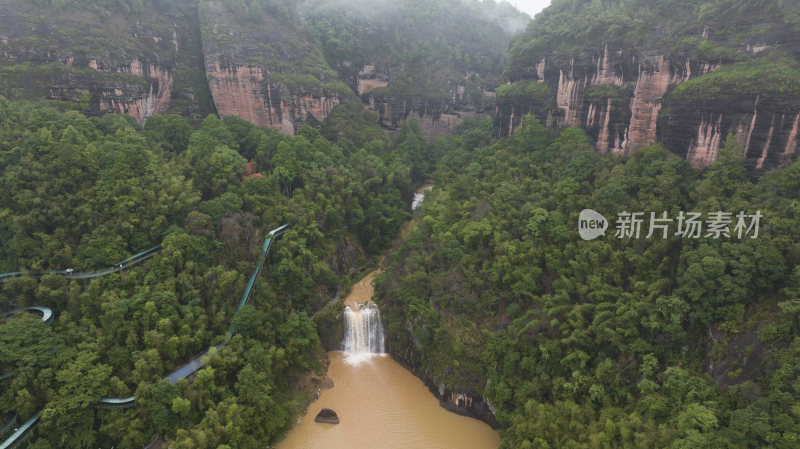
{"x":615,"y":342}
{"x":85,"y":193}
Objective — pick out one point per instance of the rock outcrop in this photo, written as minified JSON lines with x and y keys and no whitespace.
{"x":766,"y":127}
{"x":614,"y":95}
{"x":437,"y":62}
{"x":327,"y":416}
{"x":622,"y":98}
{"x":267,"y":72}
{"x":465,"y":400}
{"x":733,"y":359}
{"x":255,"y":60}
{"x":436,"y":116}
{"x":105,"y":59}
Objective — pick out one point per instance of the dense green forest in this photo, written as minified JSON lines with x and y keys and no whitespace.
{"x":84,"y":193}
{"x":611,"y":342}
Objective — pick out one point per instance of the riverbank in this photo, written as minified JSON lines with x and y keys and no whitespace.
{"x":382,"y":404}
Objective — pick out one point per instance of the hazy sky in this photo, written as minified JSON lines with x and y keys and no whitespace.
{"x":530,"y":6}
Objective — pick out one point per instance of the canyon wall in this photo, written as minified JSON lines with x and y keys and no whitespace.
{"x":436,"y":62}
{"x":765,"y":126}
{"x":259,"y":61}
{"x":621,"y":98}
{"x":436,"y":116}
{"x":187,"y":57}
{"x":105,"y":60}
{"x":129,"y":96}
{"x":268,"y":71}
{"x":465,"y":400}
{"x":247,"y":91}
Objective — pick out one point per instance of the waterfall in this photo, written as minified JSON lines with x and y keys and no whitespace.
{"x":419,"y":196}
{"x":363,"y":332}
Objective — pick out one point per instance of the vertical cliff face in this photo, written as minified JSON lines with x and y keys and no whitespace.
{"x":150,"y":97}
{"x":265,"y":69}
{"x":435,"y":118}
{"x":108,"y":60}
{"x":765,"y":126}
{"x":249,"y":92}
{"x":436,"y":115}
{"x":266,"y":62}
{"x":370,"y":78}
{"x":678,"y":72}
{"x":430,"y":61}
{"x":622,"y":99}
{"x":466,"y":399}
{"x":614,"y":95}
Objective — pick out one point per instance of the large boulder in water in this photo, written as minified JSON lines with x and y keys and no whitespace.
{"x":328,"y":416}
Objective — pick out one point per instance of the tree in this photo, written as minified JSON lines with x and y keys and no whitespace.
{"x":171,"y":131}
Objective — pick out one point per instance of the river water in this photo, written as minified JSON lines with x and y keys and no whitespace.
{"x":381,"y":405}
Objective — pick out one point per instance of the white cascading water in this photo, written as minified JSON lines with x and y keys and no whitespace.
{"x":419,"y":197}
{"x":363,"y":333}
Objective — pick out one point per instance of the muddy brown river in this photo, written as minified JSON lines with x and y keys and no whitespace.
{"x":381,"y":405}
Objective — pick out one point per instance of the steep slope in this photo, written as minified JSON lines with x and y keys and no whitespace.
{"x":435,"y":61}
{"x":643,"y":342}
{"x":274,"y":63}
{"x":263,"y":67}
{"x":131,"y":57}
{"x":612,"y":68}
{"x":86,"y":193}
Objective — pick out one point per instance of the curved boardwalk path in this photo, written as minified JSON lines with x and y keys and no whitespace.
{"x":184,"y":371}
{"x":69,"y":274}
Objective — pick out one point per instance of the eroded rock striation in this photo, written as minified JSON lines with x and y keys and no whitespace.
{"x":108,"y":61}
{"x":436,"y":116}
{"x":627,"y":98}
{"x":266,"y":71}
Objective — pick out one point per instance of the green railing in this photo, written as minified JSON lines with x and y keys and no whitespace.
{"x":48,"y":317}
{"x":23,"y":430}
{"x":10,"y":421}
{"x":184,"y":371}
{"x":69,"y":274}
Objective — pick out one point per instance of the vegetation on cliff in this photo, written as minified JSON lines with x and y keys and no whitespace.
{"x":84,"y":193}
{"x":603,"y":343}
{"x":423,"y":49}
{"x":766,"y":76}
{"x":267,"y":34}
{"x":567,"y":26}
{"x":56,"y":48}
{"x":175,"y":53}
{"x":532,"y":91}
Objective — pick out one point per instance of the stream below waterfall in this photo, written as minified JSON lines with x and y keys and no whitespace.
{"x":380,"y":404}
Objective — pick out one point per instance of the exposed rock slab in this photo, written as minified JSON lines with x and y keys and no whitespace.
{"x":269,"y":73}
{"x":116,"y":63}
{"x":327,"y":416}
{"x":621,"y":98}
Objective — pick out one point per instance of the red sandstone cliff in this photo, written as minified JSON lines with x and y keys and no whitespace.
{"x":269,"y":73}
{"x":437,"y":116}
{"x":621,"y":98}
{"x":134,"y":74}
{"x":619,"y":119}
